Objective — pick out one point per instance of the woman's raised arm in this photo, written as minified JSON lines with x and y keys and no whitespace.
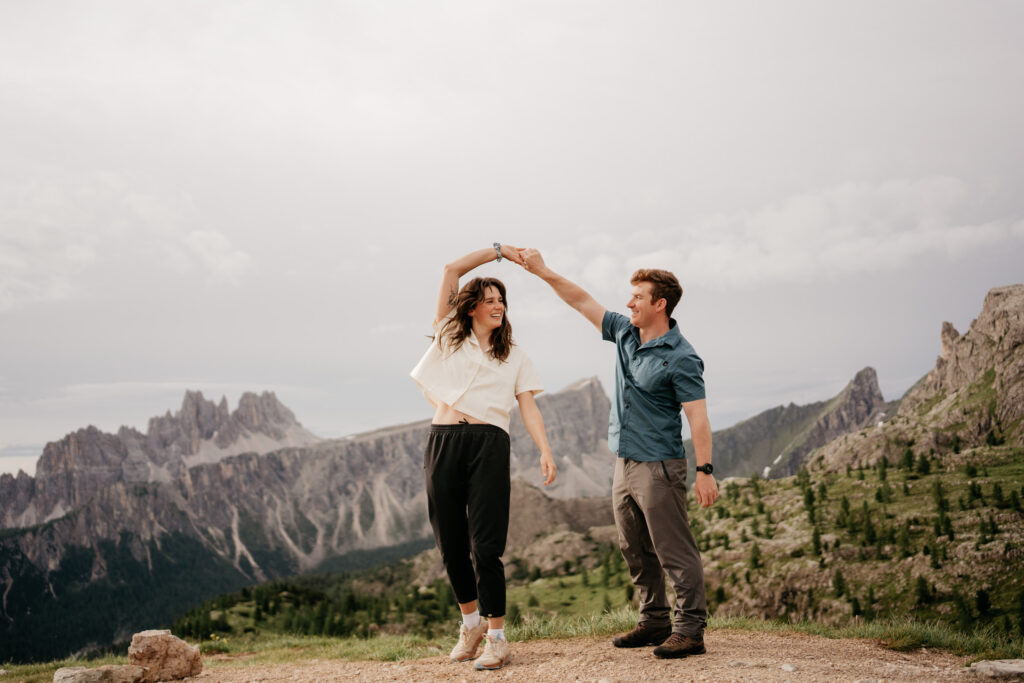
{"x":459,"y":267}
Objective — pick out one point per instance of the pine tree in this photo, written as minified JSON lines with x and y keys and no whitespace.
{"x":755,"y":556}
{"x":838,"y":583}
{"x":922,"y":591}
{"x":964,"y":617}
{"x":907,"y":461}
{"x":982,"y":602}
{"x":816,"y":542}
{"x":869,"y":528}
{"x":904,"y":540}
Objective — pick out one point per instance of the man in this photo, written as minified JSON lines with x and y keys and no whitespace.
{"x":656,"y":372}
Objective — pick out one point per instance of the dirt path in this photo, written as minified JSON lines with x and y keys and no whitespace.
{"x":732,"y":656}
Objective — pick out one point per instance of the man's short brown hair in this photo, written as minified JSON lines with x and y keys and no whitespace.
{"x":664,"y":286}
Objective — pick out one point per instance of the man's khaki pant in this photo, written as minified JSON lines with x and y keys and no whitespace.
{"x":654,"y":535}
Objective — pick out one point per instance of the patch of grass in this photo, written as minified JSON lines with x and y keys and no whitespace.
{"x":597,"y":624}
{"x":567,"y":595}
{"x":896,"y":634}
{"x":43,"y":672}
{"x":983,"y":390}
{"x":927,"y":406}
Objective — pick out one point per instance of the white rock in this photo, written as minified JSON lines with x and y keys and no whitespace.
{"x":788,"y":668}
{"x":103,"y":674}
{"x":165,"y":657}
{"x":999,"y":668}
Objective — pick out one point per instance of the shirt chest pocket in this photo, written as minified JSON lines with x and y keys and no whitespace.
{"x":650,"y":373}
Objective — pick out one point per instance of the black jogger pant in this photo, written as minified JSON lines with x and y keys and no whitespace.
{"x":467,"y":473}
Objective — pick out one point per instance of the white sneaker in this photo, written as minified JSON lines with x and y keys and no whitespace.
{"x":469,"y":641}
{"x":496,"y":654}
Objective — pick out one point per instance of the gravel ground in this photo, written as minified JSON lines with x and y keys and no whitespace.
{"x":732,"y":656}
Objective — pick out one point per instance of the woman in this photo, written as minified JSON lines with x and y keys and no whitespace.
{"x":472,"y":374}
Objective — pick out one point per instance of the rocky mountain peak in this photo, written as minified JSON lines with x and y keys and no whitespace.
{"x":73,"y":469}
{"x":973,"y":395}
{"x":862,"y":396}
{"x":949,"y":336}
{"x":994,"y":343}
{"x":776,"y":442}
{"x":263,"y":413}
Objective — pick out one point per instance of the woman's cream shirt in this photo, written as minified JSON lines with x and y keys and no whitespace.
{"x":472,"y":382}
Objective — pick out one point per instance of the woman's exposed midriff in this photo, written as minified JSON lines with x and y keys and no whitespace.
{"x":446,"y":415}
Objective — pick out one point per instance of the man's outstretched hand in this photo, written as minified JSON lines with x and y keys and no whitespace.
{"x":533,"y":261}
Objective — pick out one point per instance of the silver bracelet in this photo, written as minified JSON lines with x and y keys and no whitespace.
{"x":497,"y":249}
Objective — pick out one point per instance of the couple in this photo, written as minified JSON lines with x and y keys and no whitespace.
{"x":473,"y":373}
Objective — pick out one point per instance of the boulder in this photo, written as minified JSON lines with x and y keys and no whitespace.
{"x":999,"y":668}
{"x":163,"y":656}
{"x":104,"y":674}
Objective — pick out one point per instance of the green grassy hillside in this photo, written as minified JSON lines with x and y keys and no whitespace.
{"x":937,"y":541}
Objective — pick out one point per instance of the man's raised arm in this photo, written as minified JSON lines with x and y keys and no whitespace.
{"x":570,"y":292}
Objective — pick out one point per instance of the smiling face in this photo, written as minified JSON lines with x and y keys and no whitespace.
{"x":644,"y":312}
{"x":488,"y":313}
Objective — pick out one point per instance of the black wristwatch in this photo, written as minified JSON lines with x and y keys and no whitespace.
{"x":706,"y":469}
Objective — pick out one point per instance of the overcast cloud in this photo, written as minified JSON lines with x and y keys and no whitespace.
{"x":253,"y":196}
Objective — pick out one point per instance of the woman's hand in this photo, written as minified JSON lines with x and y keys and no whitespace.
{"x":513,"y":254}
{"x":548,"y":469}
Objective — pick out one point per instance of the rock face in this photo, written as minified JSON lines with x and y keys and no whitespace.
{"x":974,"y":395}
{"x":133,"y":511}
{"x":164,"y":657}
{"x":74,"y":469}
{"x":776,"y":442}
{"x":1007,"y":669}
{"x":576,"y":422}
{"x":102,"y":674}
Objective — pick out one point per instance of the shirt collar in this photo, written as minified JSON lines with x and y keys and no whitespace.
{"x":669,"y":339}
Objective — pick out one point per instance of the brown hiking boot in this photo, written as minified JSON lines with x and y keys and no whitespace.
{"x":643,"y":635}
{"x":680,"y":646}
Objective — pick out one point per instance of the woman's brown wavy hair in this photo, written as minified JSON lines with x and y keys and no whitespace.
{"x":459,"y":325}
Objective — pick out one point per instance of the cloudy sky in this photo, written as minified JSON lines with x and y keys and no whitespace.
{"x":252,"y":196}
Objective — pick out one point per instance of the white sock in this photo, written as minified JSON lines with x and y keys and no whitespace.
{"x":496,"y":633}
{"x":471,"y":620}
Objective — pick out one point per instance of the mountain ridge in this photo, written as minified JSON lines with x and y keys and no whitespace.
{"x":775,"y":442}
{"x":99,"y":516}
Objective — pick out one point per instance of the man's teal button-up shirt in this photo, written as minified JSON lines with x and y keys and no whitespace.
{"x":651,"y":381}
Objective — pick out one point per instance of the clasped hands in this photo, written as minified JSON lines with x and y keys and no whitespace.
{"x":529,"y":259}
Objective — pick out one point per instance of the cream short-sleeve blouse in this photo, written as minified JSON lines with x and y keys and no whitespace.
{"x":472,"y":382}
